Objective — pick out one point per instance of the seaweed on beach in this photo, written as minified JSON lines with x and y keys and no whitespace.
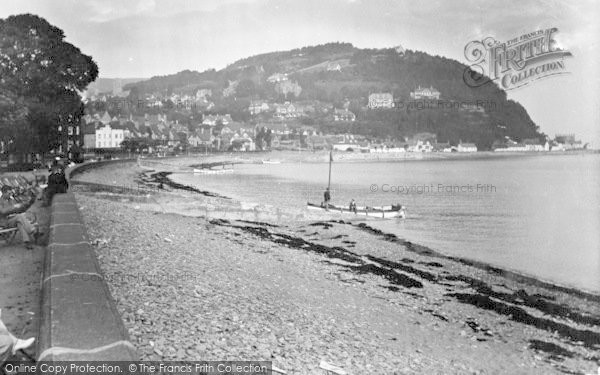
{"x":409,"y":269}
{"x":357,"y":265}
{"x":393,"y":277}
{"x":423,"y":250}
{"x":433,"y":264}
{"x":589,"y":338}
{"x":162,"y":178}
{"x":261,"y":223}
{"x":321,"y":224}
{"x":556,"y":352}
{"x":521,"y":297}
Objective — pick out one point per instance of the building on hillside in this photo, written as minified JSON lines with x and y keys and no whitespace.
{"x":277,"y":77}
{"x":334,"y":67}
{"x":534,"y":144}
{"x":418,"y":145}
{"x":258,"y":106}
{"x":343,"y":115}
{"x":466,"y":147}
{"x":425,"y":93}
{"x":203,"y":94}
{"x":278,"y":128}
{"x":514,"y":147}
{"x":201,"y":139}
{"x":286,"y":110}
{"x":109,"y":137}
{"x":381,"y":100}
{"x":212,"y":120}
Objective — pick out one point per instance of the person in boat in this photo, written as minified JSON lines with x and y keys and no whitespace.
{"x":326,"y":198}
{"x":352,"y":205}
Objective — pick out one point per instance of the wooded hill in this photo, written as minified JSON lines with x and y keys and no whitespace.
{"x":335,"y":74}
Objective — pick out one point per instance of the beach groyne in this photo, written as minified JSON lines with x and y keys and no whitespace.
{"x":79,"y":319}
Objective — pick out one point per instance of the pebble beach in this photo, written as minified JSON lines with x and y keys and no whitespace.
{"x":191,"y":286}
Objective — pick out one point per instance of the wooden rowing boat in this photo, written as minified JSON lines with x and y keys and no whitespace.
{"x":385,"y":212}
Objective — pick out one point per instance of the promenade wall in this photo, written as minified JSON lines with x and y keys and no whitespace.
{"x":79,"y":319}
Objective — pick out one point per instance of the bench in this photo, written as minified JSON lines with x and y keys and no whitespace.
{"x":8,"y":234}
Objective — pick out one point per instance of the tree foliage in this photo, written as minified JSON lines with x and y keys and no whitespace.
{"x":41,"y":76}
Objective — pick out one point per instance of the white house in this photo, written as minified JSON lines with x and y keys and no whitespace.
{"x":420,"y":146}
{"x":557,"y":147}
{"x":334,"y":67}
{"x":381,"y":100}
{"x":211,"y":120}
{"x":277,"y":77}
{"x":343,"y":115}
{"x":425,"y":93}
{"x":466,"y":147}
{"x":107,"y":137}
{"x":535,"y":145}
{"x":257,"y":106}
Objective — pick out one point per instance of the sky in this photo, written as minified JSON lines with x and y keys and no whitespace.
{"x":144,"y":38}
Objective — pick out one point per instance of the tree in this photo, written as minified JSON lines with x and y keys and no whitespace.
{"x":13,"y":116}
{"x":260,"y":138}
{"x":131,"y":145}
{"x":41,"y":77}
{"x":268,"y":137}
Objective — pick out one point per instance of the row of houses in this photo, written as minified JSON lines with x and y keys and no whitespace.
{"x":560,"y":143}
{"x":100,"y":131}
{"x":221,"y":132}
{"x":288,"y":110}
{"x":421,"y":142}
{"x":385,"y":100}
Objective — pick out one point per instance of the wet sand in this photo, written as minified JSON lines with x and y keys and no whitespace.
{"x":300,"y":292}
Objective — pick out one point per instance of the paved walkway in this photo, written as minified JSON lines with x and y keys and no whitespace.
{"x":20,"y":273}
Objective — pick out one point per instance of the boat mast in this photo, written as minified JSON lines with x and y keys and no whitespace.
{"x":330,"y":160}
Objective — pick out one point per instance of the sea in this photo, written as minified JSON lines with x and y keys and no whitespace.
{"x":538,"y":215}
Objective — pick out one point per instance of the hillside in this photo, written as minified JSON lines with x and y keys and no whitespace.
{"x":339,"y":74}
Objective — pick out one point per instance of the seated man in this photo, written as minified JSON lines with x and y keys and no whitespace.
{"x":12,"y":215}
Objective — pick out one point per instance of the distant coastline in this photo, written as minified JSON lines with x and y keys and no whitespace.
{"x":217,"y":159}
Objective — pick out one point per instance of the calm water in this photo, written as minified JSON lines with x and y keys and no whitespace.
{"x":539,"y":215}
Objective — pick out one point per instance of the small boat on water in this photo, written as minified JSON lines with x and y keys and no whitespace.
{"x":383,"y":212}
{"x":271,"y":162}
{"x":212,"y":171}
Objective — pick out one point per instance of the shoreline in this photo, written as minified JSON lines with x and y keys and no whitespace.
{"x":157,"y":178}
{"x":219,"y":159}
{"x":557,"y":325}
{"x":525,"y":277}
